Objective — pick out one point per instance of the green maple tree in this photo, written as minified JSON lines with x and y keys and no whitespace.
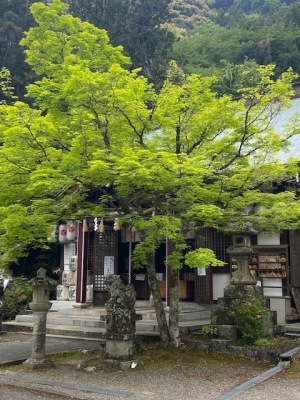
{"x":191,"y":157}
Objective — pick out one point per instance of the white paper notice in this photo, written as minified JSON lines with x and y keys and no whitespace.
{"x":109,"y":265}
{"x":201,"y":271}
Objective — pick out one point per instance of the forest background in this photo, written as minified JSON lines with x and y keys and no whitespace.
{"x":209,"y":37}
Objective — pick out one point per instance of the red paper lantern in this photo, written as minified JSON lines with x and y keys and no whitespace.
{"x":62,"y":233}
{"x":71,"y":231}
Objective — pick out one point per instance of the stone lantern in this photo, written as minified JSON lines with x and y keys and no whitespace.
{"x":40,"y":305}
{"x":242,"y":282}
{"x":241,"y":250}
{"x":242,"y":285}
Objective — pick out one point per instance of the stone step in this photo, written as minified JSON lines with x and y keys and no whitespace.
{"x":295,"y":327}
{"x":289,"y":334}
{"x":98,"y":321}
{"x":59,"y":330}
{"x":14,"y":326}
{"x":184,"y":326}
{"x":292,"y":329}
{"x":64,"y":330}
{"x":143,"y":327}
{"x":64,"y":318}
{"x":190,"y":315}
{"x":146,"y":325}
{"x":75,"y":320}
{"x":184,"y":315}
{"x":90,"y":311}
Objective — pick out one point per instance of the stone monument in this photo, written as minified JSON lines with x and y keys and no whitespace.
{"x":40,"y":306}
{"x":120,"y":322}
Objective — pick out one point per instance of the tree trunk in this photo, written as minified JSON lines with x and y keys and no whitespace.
{"x":158,"y":303}
{"x":174,"y":309}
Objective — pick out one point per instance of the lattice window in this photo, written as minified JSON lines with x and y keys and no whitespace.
{"x":100,"y":281}
{"x":201,"y":239}
{"x":220,"y":244}
{"x":91,"y":250}
{"x":203,"y":289}
{"x":105,"y":244}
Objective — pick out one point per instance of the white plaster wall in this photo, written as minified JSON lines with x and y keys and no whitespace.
{"x":282,"y":306}
{"x":268,"y":238}
{"x":220,"y":281}
{"x":275,"y":287}
{"x":282,"y":119}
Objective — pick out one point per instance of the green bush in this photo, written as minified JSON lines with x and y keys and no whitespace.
{"x":16,"y":297}
{"x":209,"y":331}
{"x":250,"y":317}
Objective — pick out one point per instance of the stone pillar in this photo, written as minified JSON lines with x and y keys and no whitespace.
{"x":40,"y":306}
{"x":120,"y":323}
{"x":1,"y":314}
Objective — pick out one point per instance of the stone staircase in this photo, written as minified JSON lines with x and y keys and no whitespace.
{"x":89,"y":323}
{"x":292,"y":329}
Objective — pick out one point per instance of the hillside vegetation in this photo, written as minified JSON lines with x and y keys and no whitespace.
{"x":203,"y":36}
{"x":267,"y":31}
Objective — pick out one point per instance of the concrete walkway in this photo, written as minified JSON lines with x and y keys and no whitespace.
{"x":140,"y":385}
{"x":67,"y":383}
{"x":16,"y":347}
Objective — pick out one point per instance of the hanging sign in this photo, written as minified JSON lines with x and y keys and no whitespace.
{"x":109,"y":265}
{"x":201,"y":271}
{"x":69,"y":251}
{"x":95,"y":224}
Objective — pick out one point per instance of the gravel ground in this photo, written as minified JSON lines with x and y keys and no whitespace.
{"x":206,"y":380}
{"x":276,"y":388}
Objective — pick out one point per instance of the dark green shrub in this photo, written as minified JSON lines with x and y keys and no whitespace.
{"x":16,"y":297}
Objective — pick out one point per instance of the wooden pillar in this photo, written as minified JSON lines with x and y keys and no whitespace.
{"x":82,"y":264}
{"x":295,"y":258}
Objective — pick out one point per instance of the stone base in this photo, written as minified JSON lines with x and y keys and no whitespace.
{"x":221,"y":316}
{"x":226,"y":332}
{"x":119,"y":349}
{"x":100,"y":297}
{"x":119,"y":364}
{"x":234,"y":291}
{"x":32,"y":363}
{"x":220,"y":345}
{"x":81,"y":305}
